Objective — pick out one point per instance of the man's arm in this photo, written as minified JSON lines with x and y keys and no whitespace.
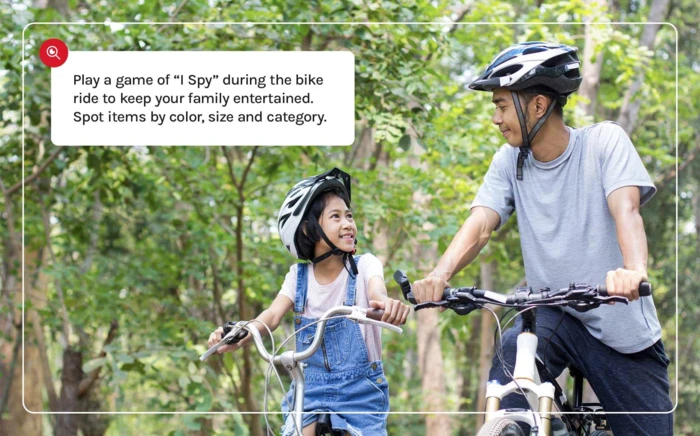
{"x":624,"y":207}
{"x":465,"y":246}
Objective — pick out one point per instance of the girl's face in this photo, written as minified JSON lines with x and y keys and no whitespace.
{"x":338,"y":224}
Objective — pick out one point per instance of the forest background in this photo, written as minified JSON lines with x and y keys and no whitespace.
{"x":133,"y":254}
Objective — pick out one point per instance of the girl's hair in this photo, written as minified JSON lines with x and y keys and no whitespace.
{"x":306,"y":241}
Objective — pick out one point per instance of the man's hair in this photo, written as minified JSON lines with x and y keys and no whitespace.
{"x":530,"y":93}
{"x":306,"y":241}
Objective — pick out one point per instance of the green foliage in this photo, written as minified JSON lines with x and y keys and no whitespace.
{"x":147,"y":236}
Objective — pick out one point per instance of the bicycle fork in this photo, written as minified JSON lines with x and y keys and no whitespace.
{"x":525,"y":378}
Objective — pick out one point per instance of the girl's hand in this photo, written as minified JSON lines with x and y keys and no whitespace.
{"x":215,"y":338}
{"x":395,"y":312}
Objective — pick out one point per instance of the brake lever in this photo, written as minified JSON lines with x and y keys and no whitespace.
{"x":233,"y":336}
{"x":431,"y":304}
{"x":613,"y":299}
{"x":585,"y":306}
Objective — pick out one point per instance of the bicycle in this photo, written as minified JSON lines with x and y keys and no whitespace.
{"x":530,"y":376}
{"x":292,"y":361}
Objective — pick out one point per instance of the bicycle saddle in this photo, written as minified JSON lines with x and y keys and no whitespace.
{"x":324,"y":427}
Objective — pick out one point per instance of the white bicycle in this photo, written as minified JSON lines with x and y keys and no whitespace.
{"x":292,"y":361}
{"x":530,"y":376}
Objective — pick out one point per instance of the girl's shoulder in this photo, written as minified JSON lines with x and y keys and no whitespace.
{"x":369,"y":265}
{"x":368,"y":258}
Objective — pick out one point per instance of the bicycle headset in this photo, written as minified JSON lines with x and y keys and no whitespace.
{"x":541,"y":67}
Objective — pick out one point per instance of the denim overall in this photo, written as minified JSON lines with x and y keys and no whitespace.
{"x":339,"y":376}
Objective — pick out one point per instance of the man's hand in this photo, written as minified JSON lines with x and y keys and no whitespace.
{"x":395,"y":312}
{"x":430,"y":288}
{"x":625,"y":283}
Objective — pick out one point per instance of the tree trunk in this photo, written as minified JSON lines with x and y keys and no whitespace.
{"x":430,"y":362}
{"x":21,"y":422}
{"x":249,"y":403}
{"x":696,"y":210}
{"x":431,"y":368}
{"x":71,"y":375}
{"x":471,"y":373}
{"x":592,"y":63}
{"x":93,"y":425}
{"x":630,"y":103}
{"x":488,"y":272}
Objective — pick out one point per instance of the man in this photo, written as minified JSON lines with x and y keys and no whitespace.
{"x":577,"y":193}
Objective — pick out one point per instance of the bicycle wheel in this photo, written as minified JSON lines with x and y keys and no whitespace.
{"x":500,"y":427}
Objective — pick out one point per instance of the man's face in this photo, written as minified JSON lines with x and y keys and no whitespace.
{"x":506,"y":118}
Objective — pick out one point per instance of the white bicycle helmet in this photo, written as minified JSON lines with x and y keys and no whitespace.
{"x":552,"y":69}
{"x":297,"y":203}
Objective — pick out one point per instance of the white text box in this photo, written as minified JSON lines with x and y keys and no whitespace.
{"x":204,"y":98}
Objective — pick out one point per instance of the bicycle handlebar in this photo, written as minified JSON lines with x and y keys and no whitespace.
{"x":581,"y":297}
{"x":355,"y":313}
{"x":644,"y":290}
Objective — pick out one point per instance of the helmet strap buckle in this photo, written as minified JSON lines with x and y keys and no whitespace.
{"x":527,"y":137}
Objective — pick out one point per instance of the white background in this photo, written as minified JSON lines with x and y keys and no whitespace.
{"x":335,"y":98}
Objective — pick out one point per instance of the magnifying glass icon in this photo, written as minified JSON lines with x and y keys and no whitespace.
{"x":52,"y":52}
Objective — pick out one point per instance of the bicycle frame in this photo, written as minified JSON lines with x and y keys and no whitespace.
{"x":541,"y":396}
{"x":292,"y":360}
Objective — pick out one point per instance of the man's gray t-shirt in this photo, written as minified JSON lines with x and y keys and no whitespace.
{"x":567,"y":233}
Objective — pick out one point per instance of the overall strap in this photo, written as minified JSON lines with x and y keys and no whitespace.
{"x":352,"y":281}
{"x":302,"y":285}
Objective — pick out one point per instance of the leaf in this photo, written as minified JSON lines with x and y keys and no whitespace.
{"x":183,"y":382}
{"x":136,"y":366}
{"x":405,"y":142}
{"x":93,"y":364}
{"x":191,"y":422}
{"x":204,"y":402}
{"x":124,"y":358}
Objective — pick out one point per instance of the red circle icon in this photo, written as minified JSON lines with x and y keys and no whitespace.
{"x":53,"y":52}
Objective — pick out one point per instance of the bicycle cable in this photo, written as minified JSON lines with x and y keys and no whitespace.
{"x":547,"y":342}
{"x":499,"y":351}
{"x":272,"y":339}
{"x":495,"y":332}
{"x":544,"y":352}
{"x":276,"y":351}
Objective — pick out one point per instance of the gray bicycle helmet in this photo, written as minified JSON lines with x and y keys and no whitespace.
{"x":553,"y":69}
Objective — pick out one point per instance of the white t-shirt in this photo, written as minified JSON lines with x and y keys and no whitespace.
{"x":320,"y":298}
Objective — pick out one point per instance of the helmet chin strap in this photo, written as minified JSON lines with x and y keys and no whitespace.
{"x":347,"y":256}
{"x":527,"y":137}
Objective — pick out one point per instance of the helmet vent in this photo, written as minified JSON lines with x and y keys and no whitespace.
{"x":507,"y":71}
{"x":293,"y":202}
{"x":531,"y":50}
{"x":283,"y":220}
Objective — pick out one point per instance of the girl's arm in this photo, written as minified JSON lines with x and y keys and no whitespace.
{"x":272,"y":316}
{"x":395,"y":312}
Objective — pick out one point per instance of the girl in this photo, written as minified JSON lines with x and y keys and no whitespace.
{"x":316,"y":224}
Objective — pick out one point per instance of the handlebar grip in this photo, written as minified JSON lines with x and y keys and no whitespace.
{"x":375,"y":314}
{"x":644,"y":290}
